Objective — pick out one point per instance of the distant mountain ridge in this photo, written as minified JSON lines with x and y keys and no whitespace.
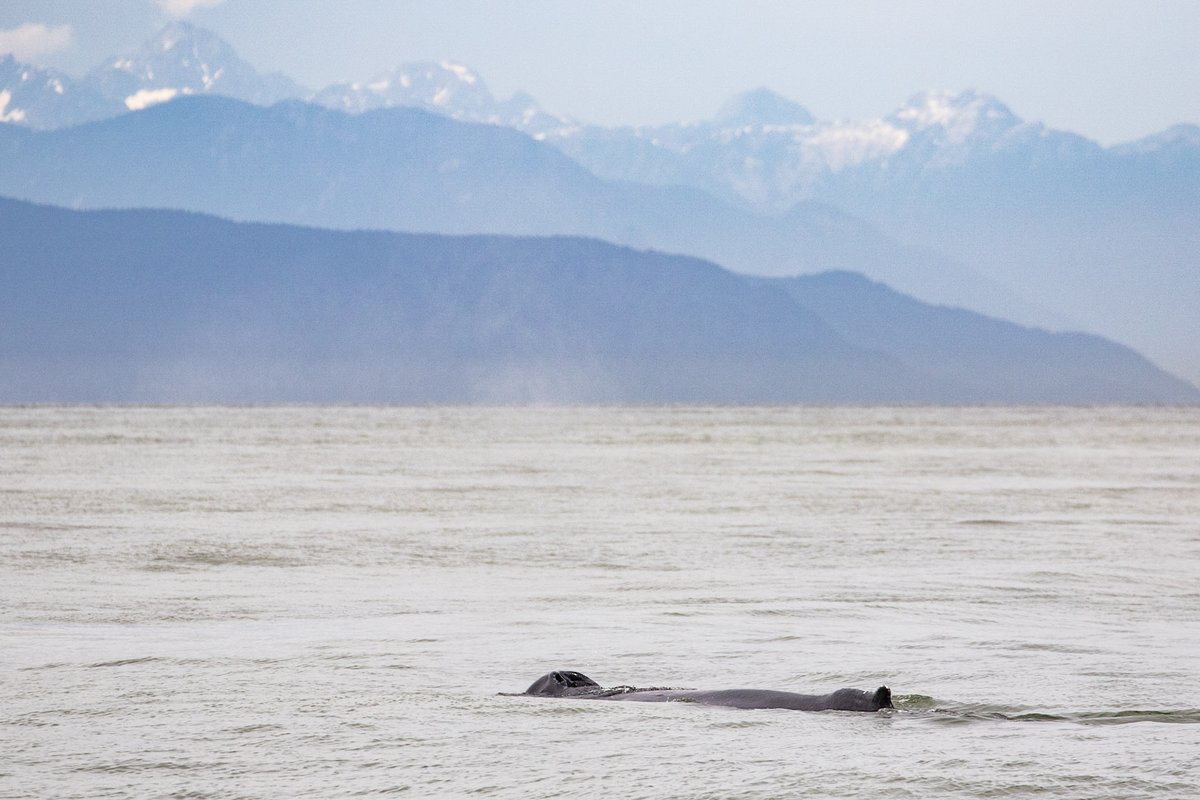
{"x":183,"y":59}
{"x":166,"y":306}
{"x":410,"y":170}
{"x":958,"y":350}
{"x":998,"y":208}
{"x":45,"y":98}
{"x":180,"y":60}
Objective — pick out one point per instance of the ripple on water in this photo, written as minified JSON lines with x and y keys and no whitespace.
{"x":398,"y":566}
{"x":924,"y":708}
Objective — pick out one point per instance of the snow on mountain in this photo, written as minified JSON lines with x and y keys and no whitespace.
{"x":954,"y":172}
{"x":766,"y":153}
{"x":955,"y":118}
{"x":183,"y":59}
{"x":448,"y":88}
{"x":838,"y":146}
{"x":43,"y":98}
{"x":761,"y":150}
{"x":445,"y":87}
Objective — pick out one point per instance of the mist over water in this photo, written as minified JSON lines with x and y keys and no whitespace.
{"x":291,"y":602}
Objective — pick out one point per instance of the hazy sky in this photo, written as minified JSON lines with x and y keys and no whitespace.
{"x":1112,"y":70}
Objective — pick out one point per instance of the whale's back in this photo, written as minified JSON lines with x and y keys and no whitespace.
{"x":561,"y":682}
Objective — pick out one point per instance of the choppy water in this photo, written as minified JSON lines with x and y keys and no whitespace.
{"x":324,"y":602}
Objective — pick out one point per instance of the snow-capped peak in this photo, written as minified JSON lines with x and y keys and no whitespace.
{"x":461,"y":71}
{"x":183,"y":59}
{"x":44,"y":98}
{"x":957,"y":116}
{"x":447,"y":86}
{"x":178,"y":47}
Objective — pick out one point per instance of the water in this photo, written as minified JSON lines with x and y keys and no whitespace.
{"x":324,"y":602}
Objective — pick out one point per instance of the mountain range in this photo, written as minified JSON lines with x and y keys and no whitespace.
{"x":168,"y":306}
{"x":761,"y":149}
{"x":181,"y":60}
{"x":951,"y":198}
{"x":408,"y":169}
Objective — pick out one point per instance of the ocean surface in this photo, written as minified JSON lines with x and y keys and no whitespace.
{"x":325,"y":602}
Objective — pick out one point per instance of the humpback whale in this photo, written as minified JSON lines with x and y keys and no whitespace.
{"x":566,"y":683}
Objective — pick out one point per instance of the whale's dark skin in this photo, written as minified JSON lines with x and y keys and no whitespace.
{"x":565,"y":683}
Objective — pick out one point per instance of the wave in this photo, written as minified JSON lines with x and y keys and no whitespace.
{"x":960,"y":713}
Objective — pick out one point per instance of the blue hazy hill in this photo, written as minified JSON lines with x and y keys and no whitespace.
{"x":961,"y":351}
{"x":167,"y":306}
{"x":952,"y":197}
{"x":407,"y":169}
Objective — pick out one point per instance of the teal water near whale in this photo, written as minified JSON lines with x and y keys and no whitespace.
{"x":326,"y":602}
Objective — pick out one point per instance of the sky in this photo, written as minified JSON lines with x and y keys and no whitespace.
{"x":1112,"y":70}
